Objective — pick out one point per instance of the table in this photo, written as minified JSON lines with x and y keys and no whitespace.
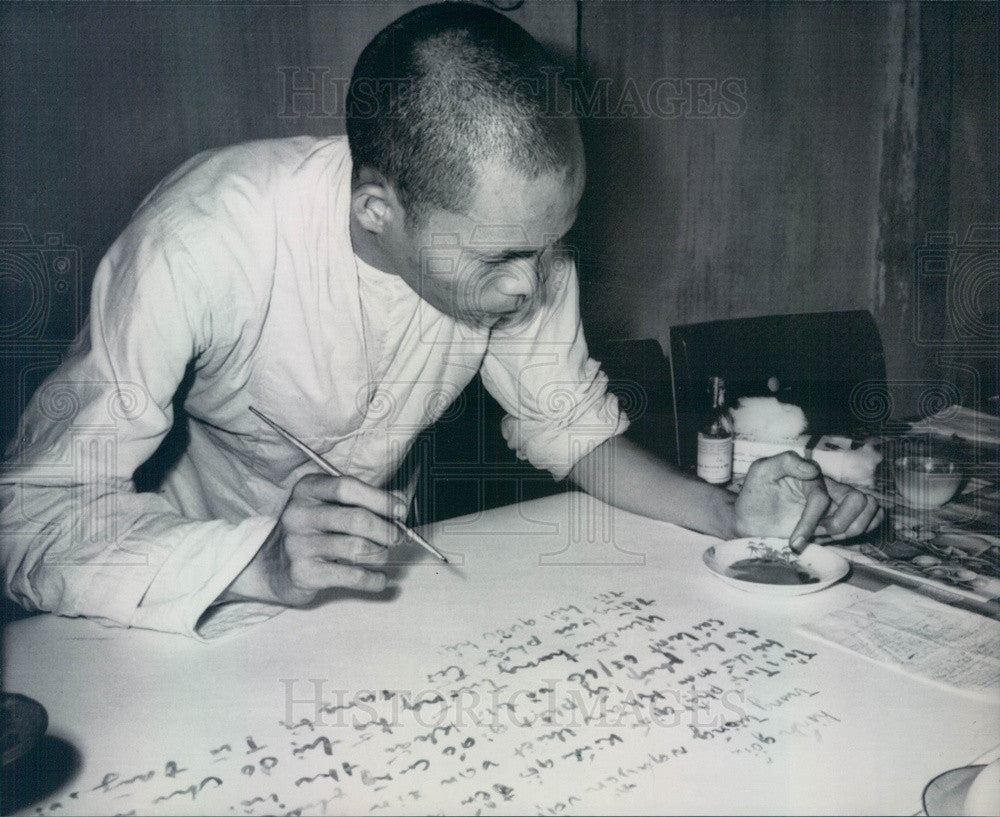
{"x":476,"y":689}
{"x":949,"y":552}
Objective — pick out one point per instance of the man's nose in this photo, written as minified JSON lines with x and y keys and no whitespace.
{"x":519,"y":278}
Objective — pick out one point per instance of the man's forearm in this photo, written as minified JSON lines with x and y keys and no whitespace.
{"x":622,"y":474}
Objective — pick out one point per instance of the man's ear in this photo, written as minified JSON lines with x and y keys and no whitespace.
{"x":370,"y":207}
{"x":373,"y":202}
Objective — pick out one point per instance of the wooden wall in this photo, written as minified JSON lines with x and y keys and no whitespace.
{"x":795,"y":159}
{"x":865,"y":127}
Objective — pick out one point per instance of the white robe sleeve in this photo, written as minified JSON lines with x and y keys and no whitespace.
{"x":75,"y":537}
{"x":556,"y":397}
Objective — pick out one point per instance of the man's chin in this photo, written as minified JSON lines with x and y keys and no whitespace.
{"x":489,"y":321}
{"x":512,"y":321}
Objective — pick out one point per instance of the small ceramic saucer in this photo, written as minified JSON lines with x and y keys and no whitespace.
{"x":823,"y":566}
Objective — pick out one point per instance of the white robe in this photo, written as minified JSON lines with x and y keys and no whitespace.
{"x":241,"y":261}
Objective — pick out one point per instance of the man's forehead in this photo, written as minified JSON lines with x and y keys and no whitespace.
{"x":511,"y":235}
{"x":514,"y":210}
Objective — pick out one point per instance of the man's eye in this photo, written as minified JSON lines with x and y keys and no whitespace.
{"x":517,"y":256}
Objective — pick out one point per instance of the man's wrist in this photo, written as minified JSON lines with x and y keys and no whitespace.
{"x":253,"y":583}
{"x":249,"y":585}
{"x":725,"y":503}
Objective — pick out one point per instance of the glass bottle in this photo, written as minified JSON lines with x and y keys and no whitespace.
{"x":715,"y":438}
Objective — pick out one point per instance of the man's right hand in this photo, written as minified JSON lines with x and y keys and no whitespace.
{"x":333,"y":532}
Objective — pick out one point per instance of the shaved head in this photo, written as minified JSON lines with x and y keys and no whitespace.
{"x":444,"y":90}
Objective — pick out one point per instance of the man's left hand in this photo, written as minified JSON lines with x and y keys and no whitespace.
{"x":787,"y":495}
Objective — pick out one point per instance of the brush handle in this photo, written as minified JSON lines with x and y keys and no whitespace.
{"x":320,"y":461}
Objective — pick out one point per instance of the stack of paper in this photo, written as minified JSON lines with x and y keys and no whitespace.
{"x":919,"y":637}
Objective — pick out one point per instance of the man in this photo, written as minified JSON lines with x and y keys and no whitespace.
{"x":350,"y":294}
